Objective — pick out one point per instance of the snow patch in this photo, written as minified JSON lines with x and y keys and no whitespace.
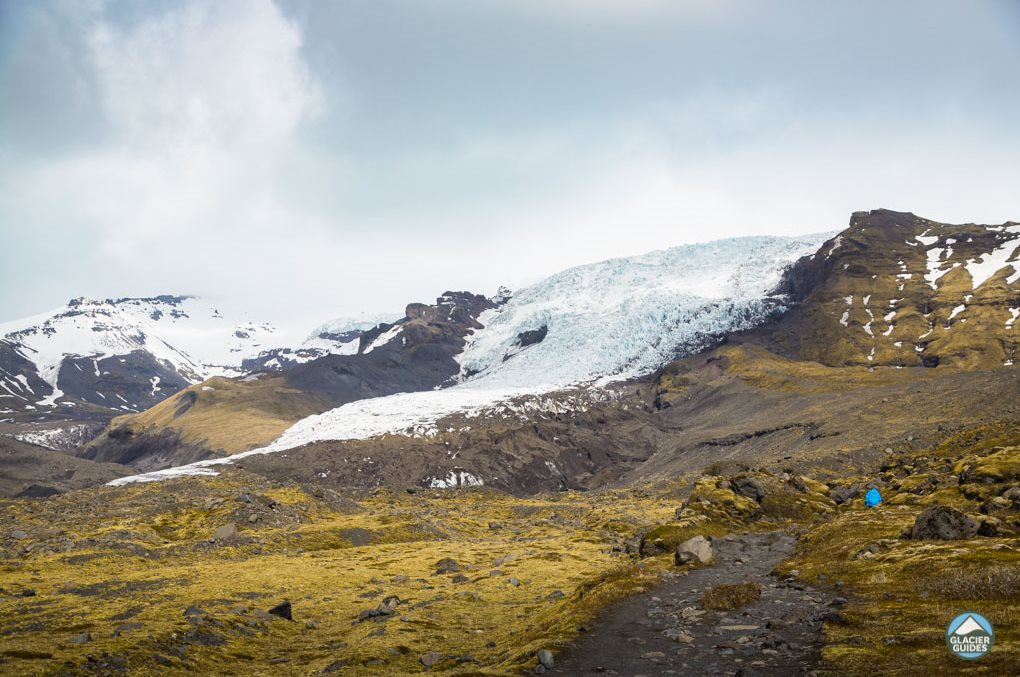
{"x":456,"y":479}
{"x":384,"y":338}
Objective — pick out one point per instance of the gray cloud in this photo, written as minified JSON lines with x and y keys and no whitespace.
{"x":308,"y":159}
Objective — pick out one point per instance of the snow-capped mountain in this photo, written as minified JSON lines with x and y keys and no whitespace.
{"x":124,"y":354}
{"x":339,"y":336}
{"x":576,"y":331}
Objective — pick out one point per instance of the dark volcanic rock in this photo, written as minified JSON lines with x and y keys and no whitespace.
{"x":447,"y":565}
{"x":749,"y":487}
{"x":940,"y":522}
{"x":419,"y":356}
{"x":283,"y":610}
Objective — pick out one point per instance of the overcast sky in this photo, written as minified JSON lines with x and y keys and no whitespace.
{"x":306,"y":159}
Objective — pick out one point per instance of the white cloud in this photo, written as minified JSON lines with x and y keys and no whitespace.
{"x":201,"y":164}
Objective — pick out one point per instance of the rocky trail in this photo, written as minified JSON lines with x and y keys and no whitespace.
{"x":667,"y":631}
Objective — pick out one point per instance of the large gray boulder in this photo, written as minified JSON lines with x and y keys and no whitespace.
{"x":697,"y":549}
{"x":225,"y":533}
{"x":942,"y":523}
{"x":749,"y":487}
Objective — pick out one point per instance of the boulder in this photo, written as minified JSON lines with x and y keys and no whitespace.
{"x":697,"y":549}
{"x":748,"y":487}
{"x":545,"y":657}
{"x":995,"y":504}
{"x":843,"y":494}
{"x":447,"y":565}
{"x":942,"y":523}
{"x":429,"y":659}
{"x":227,"y":532}
{"x":283,"y":610}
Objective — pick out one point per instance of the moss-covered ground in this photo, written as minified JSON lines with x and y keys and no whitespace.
{"x":138,"y":568}
{"x":902,"y":593}
{"x":124,"y":565}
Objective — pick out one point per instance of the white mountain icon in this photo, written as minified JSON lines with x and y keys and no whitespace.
{"x":968,"y":626}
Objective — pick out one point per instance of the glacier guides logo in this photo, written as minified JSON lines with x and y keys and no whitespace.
{"x":970,"y":635}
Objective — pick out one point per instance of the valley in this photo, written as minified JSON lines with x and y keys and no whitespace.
{"x":480,"y":481}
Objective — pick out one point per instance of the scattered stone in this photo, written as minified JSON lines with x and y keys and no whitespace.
{"x":843,"y":494}
{"x":996,"y":504}
{"x":460,"y":578}
{"x":678,"y":635}
{"x":513,"y":581}
{"x":555,"y":595}
{"x":545,"y":657}
{"x":447,"y":565}
{"x":748,"y":487}
{"x":838,"y":601}
{"x":694,"y":549}
{"x":126,"y":627}
{"x":19,"y":535}
{"x":357,"y":536}
{"x":654,"y":656}
{"x":283,"y":610}
{"x":430,"y":659}
{"x":163,"y":660}
{"x":336,"y":666}
{"x":227,"y":532}
{"x":940,"y":522}
{"x":194,"y":612}
{"x":81,"y":639}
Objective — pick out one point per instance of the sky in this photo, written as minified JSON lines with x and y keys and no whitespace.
{"x":300,"y":160}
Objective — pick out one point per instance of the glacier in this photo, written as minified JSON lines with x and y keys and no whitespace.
{"x":607,"y":321}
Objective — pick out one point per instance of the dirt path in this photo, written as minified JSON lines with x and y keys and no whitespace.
{"x":666,"y":632}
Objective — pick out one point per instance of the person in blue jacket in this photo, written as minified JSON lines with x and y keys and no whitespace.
{"x":872,"y":498}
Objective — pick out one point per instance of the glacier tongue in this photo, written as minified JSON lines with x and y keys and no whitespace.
{"x":606,"y":321}
{"x":625,"y":317}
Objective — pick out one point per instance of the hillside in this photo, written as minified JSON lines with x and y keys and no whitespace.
{"x":895,"y":289}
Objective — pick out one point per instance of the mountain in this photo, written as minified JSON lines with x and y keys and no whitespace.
{"x":223,"y":415}
{"x":554,"y":346}
{"x":572,"y":382}
{"x":95,"y":359}
{"x":119,"y":354}
{"x":895,"y":289}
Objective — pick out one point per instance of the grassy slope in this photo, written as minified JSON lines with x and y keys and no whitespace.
{"x":227,"y":415}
